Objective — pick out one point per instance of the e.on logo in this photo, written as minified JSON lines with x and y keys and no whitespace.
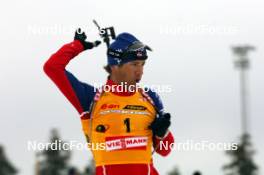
{"x":109,"y":106}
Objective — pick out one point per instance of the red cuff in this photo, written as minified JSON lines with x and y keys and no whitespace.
{"x":163,"y":146}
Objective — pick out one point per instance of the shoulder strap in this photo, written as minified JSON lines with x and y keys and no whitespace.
{"x":95,"y":98}
{"x":154,"y":99}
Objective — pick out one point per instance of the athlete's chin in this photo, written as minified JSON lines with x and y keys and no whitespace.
{"x":138,"y":79}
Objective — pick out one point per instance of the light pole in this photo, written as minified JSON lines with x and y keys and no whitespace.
{"x":242,"y":64}
{"x":242,"y":158}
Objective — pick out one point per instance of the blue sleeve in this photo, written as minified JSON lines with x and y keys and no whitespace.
{"x":84,"y":92}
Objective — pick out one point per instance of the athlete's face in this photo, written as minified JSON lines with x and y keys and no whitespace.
{"x":130,"y":72}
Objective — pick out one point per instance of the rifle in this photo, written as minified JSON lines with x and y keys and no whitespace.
{"x":106,"y":33}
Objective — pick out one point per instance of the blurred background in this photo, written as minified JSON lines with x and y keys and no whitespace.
{"x":208,"y":52}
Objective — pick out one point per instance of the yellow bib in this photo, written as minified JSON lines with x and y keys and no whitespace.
{"x":120,"y":123}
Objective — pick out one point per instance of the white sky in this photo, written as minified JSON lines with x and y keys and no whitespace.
{"x":191,"y":41}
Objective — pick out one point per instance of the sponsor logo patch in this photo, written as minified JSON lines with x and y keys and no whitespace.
{"x":123,"y":112}
{"x":110,"y":106}
{"x":124,"y":143}
{"x":135,"y":107}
